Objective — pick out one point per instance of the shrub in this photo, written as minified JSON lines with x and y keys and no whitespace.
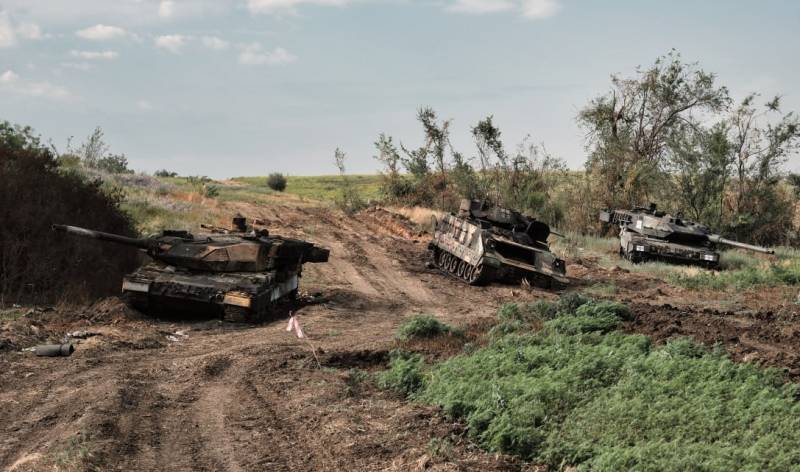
{"x":405,"y":373}
{"x":423,"y":326}
{"x":165,"y":173}
{"x":276,"y":181}
{"x":114,"y":164}
{"x":210,"y":191}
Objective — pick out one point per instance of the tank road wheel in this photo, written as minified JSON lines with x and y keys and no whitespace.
{"x":453,"y":267}
{"x":442,"y":261}
{"x":462,"y":268}
{"x":481,"y":275}
{"x":469,"y":272}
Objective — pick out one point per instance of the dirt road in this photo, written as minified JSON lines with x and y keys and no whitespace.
{"x":203,"y":395}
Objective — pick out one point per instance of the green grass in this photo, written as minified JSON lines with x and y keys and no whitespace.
{"x":324,"y":187}
{"x":405,"y":373}
{"x":11,"y":314}
{"x":602,"y":289}
{"x":424,"y":326}
{"x":572,"y":395}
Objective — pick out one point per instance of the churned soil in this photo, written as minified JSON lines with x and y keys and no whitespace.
{"x":149,"y":394}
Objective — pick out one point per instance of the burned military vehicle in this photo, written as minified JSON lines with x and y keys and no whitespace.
{"x":240,"y":275}
{"x":650,"y":234}
{"x":483,"y":243}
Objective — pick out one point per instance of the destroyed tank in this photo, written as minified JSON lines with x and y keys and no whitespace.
{"x":484,"y":243}
{"x":238,"y":274}
{"x":650,"y":234}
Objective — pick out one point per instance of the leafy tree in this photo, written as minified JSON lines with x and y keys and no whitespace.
{"x":630,"y":128}
{"x":701,"y":161}
{"x":761,"y":144}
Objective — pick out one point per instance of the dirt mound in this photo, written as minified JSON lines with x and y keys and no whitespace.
{"x":758,"y":337}
{"x":381,"y":221}
{"x":23,"y":333}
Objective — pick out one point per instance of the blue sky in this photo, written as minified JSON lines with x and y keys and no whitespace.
{"x":247,"y":87}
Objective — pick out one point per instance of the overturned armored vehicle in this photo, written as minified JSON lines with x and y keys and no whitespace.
{"x":649,"y":234}
{"x":240,"y":275}
{"x":483,"y":243}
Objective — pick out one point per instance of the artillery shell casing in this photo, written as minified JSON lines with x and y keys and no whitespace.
{"x":54,"y":350}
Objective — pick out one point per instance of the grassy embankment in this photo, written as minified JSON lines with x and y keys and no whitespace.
{"x":558,"y":385}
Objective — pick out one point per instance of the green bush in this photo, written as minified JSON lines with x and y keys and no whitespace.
{"x":405,"y":373}
{"x":424,"y":326}
{"x":114,"y":164}
{"x":276,"y":181}
{"x":165,"y":173}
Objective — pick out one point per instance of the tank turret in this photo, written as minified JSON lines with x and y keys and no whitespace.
{"x":647,"y":233}
{"x":485,"y":242}
{"x":240,"y":273}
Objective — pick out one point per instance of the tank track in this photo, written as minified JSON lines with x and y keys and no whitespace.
{"x":259,"y":313}
{"x":461,"y":269}
{"x":256,"y":314}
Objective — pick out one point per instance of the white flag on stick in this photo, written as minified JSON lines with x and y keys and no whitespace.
{"x":294,"y":325}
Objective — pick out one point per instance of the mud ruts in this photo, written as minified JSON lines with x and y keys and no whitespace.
{"x":484,"y":243}
{"x":240,"y":275}
{"x":646,"y":233}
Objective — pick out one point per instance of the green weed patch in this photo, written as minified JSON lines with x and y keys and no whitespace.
{"x":424,"y":326}
{"x":578,"y":393}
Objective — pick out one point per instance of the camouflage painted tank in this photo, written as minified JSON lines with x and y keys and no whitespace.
{"x":239,"y":274}
{"x":646,"y":233}
{"x":483,"y":243}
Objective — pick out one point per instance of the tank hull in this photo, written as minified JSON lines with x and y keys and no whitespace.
{"x":233,"y":296}
{"x":638,"y":248}
{"x":465,"y":250}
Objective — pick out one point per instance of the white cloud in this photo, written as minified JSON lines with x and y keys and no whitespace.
{"x":10,"y":32}
{"x":532,"y":9}
{"x":277,"y":6}
{"x":101,"y":32}
{"x":171,"y":42}
{"x":144,"y":105}
{"x":84,"y":66}
{"x":253,"y":55}
{"x":11,"y":82}
{"x":95,"y":55}
{"x":8,"y":77}
{"x":8,"y":37}
{"x":29,"y":31}
{"x":481,"y":6}
{"x":215,"y":43}
{"x":166,"y":8}
{"x":536,"y":9}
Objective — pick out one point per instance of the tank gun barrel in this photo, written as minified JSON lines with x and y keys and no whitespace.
{"x":115,"y":238}
{"x":715,"y":238}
